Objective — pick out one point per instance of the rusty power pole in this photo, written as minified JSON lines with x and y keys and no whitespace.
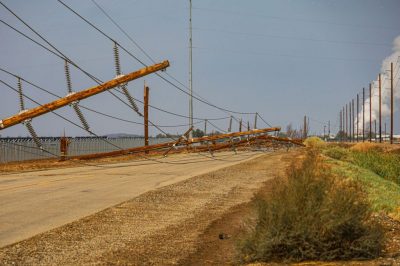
{"x":391,"y":103}
{"x":349,"y":114}
{"x":185,"y":140}
{"x":347,"y":124}
{"x":146,"y":116}
{"x":305,"y":127}
{"x":190,"y":70}
{"x":240,"y":125}
{"x":350,"y":124}
{"x":370,"y":112}
{"x":340,"y":124}
{"x":343,"y":124}
{"x":329,"y":128}
{"x":363,"y":116}
{"x":384,"y":133}
{"x":64,"y":143}
{"x":380,"y":107}
{"x":352,"y":118}
{"x":357,"y":121}
{"x":80,"y":95}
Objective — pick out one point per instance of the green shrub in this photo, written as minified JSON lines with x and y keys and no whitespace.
{"x":313,"y":216}
{"x":337,"y":153}
{"x":386,"y":165}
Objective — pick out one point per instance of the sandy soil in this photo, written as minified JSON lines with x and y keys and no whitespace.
{"x":162,"y":226}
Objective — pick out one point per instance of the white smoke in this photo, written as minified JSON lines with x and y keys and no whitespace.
{"x":385,"y":89}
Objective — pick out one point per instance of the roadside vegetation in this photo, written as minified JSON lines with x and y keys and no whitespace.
{"x":315,"y":213}
{"x":376,"y":169}
{"x":386,"y":164}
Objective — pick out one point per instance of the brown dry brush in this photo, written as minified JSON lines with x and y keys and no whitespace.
{"x":313,"y":215}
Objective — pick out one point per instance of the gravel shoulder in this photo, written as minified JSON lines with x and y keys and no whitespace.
{"x":162,"y":226}
{"x":37,"y":201}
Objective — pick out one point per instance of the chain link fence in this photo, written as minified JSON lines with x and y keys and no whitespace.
{"x":21,"y":149}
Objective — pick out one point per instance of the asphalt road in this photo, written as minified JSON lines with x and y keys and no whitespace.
{"x":37,"y":201}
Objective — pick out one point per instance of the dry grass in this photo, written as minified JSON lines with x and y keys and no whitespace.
{"x":367,"y":146}
{"x":313,"y":215}
{"x":314,"y":142}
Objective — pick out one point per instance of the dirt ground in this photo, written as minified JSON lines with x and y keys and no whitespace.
{"x":160,"y":227}
{"x":54,"y":163}
{"x":195,"y":222}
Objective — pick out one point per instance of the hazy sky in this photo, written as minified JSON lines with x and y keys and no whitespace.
{"x":281,"y":58}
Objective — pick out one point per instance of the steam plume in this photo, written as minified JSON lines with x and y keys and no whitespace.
{"x":385,"y":86}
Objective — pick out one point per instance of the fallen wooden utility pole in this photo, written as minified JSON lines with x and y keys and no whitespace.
{"x":170,"y":145}
{"x":288,"y":140}
{"x":265,"y":138}
{"x":46,"y":108}
{"x":181,"y":138}
{"x":235,"y":134}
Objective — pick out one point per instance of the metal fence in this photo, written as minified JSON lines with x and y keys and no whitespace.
{"x":21,"y":149}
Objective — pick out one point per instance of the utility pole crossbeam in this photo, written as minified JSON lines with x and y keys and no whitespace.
{"x":49,"y":107}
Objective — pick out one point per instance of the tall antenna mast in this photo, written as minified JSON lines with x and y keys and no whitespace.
{"x":190,"y":71}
